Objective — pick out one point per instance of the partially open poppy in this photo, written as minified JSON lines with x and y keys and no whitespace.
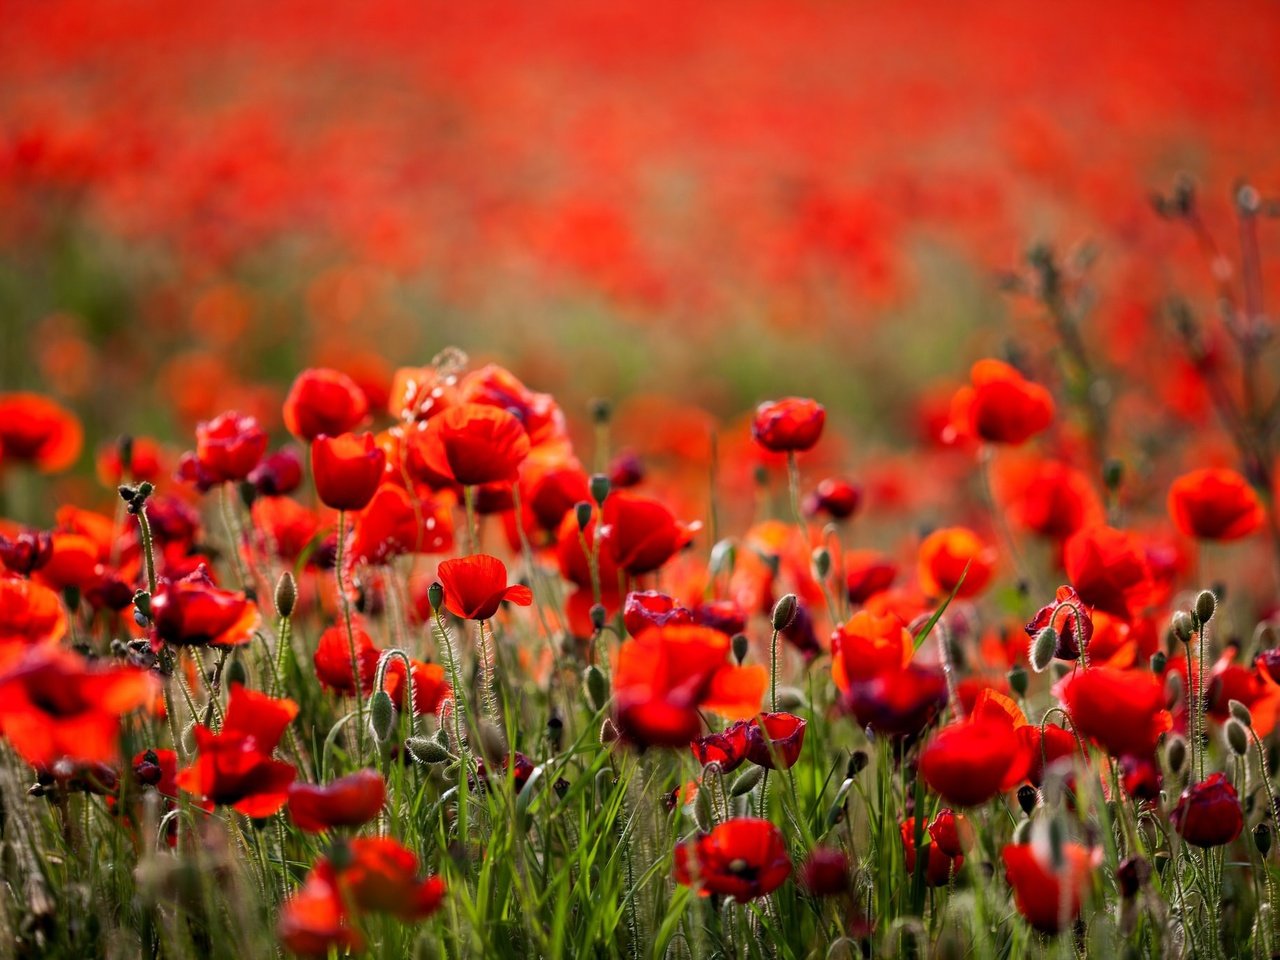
{"x":939,"y":866}
{"x":429,"y":686}
{"x":476,"y":586}
{"x":193,"y":611}
{"x":775,"y":740}
{"x":332,"y":659}
{"x":39,"y":432}
{"x":323,"y":401}
{"x":1214,"y":504}
{"x":825,"y":872}
{"x":277,"y":474}
{"x":347,"y":469}
{"x":866,"y":573}
{"x":30,"y":613}
{"x":26,"y":552}
{"x":1001,"y":406}
{"x":346,"y":802}
{"x":1069,"y":619}
{"x":1208,"y":813}
{"x":835,"y":497}
{"x":1123,"y":711}
{"x":395,"y":523}
{"x":898,"y":702}
{"x":474,"y":444}
{"x":791,"y":425}
{"x":944,"y":556}
{"x":228,"y":447}
{"x":743,"y":858}
{"x":1049,"y":899}
{"x":649,"y":608}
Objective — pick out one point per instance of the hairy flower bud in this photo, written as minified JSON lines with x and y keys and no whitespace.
{"x":599,"y":488}
{"x":1236,"y":737}
{"x":1206,"y":605}
{"x":821,"y":562}
{"x":1018,"y":679}
{"x":1183,"y":627}
{"x":435,"y":595}
{"x":596,"y":687}
{"x":1042,"y":647}
{"x":1175,"y":754}
{"x":784,"y":611}
{"x":382,"y":715}
{"x":286,"y":595}
{"x":1240,"y":712}
{"x":739,"y":645}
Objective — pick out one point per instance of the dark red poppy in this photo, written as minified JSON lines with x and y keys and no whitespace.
{"x":775,"y":740}
{"x":839,"y":499}
{"x":346,"y":802}
{"x":790,"y":425}
{"x":476,"y":586}
{"x":332,"y":659}
{"x":867,"y":573}
{"x":347,"y":469}
{"x":234,"y":767}
{"x":939,"y":868}
{"x":801,"y":634}
{"x":277,"y":474}
{"x":157,"y":768}
{"x":193,"y":611}
{"x":825,"y":872}
{"x":743,"y":858}
{"x":727,"y":616}
{"x":228,"y":447}
{"x":1123,"y":711}
{"x":37,"y":431}
{"x":27,"y":552}
{"x":639,"y":533}
{"x":323,"y":401}
{"x":944,"y":556}
{"x":1001,"y":406}
{"x":30,"y":613}
{"x":897,"y":702}
{"x":1215,"y":504}
{"x":728,"y":747}
{"x":1141,"y":778}
{"x":1208,"y":813}
{"x":1047,"y":748}
{"x":54,"y":704}
{"x":516,"y":766}
{"x":626,"y":470}
{"x":1050,"y":900}
{"x":1109,"y":570}
{"x":968,"y":763}
{"x":1069,"y":619}
{"x":474,"y":444}
{"x":649,"y":608}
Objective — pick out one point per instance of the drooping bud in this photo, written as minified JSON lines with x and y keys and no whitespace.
{"x":435,"y":595}
{"x":1175,"y":754}
{"x":286,"y":595}
{"x":599,"y":488}
{"x":1132,"y":875}
{"x":821,"y":563}
{"x":1018,"y":679}
{"x":426,"y":750}
{"x":1262,"y":838}
{"x":1240,"y":712}
{"x":784,"y":611}
{"x":1173,"y":688}
{"x":235,"y":673}
{"x":1236,"y":736}
{"x":1183,"y":627}
{"x":1042,"y":647}
{"x":1206,"y":605}
{"x":598,"y":616}
{"x":858,"y":761}
{"x":739,"y":644}
{"x":746,"y":782}
{"x":596,"y":687}
{"x":382,"y":715}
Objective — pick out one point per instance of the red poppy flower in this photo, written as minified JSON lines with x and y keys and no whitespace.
{"x":952,"y":833}
{"x":897,"y":702}
{"x":234,"y":767}
{"x":1048,"y":497}
{"x":775,"y":740}
{"x":825,"y":872}
{"x":727,"y":616}
{"x":649,"y":608}
{"x":743,"y":858}
{"x":839,"y":499}
{"x":159,"y":769}
{"x":1001,"y":406}
{"x":194,"y":612}
{"x":283,"y":527}
{"x":498,"y":387}
{"x":1049,"y":900}
{"x":429,"y":685}
{"x":381,"y":876}
{"x":664,"y":676}
{"x":728,"y":747}
{"x":35,"y":430}
{"x":939,"y":867}
{"x":314,"y":920}
{"x":790,"y":425}
{"x":1122,"y":711}
{"x":1141,"y":778}
{"x":332,"y":659}
{"x":547,"y":494}
{"x":475,"y":586}
{"x":73,"y":561}
{"x":55,"y":704}
{"x":573,"y":560}
{"x":1214,"y":504}
{"x":347,"y":469}
{"x":145,"y":459}
{"x":396,"y":523}
{"x":867,"y":645}
{"x":1109,"y":570}
{"x":278,"y":474}
{"x":30,"y":613}
{"x":639,"y":533}
{"x":1056,"y":743}
{"x":969,"y":763}
{"x":1069,"y":619}
{"x":228,"y":447}
{"x":1208,"y":813}
{"x":323,"y":401}
{"x":1254,"y":688}
{"x":866,"y":573}
{"x":27,"y":552}
{"x":473,"y":444}
{"x":943,"y":557}
{"x":346,"y":802}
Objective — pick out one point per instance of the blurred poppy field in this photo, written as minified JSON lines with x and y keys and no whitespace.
{"x":748,"y":479}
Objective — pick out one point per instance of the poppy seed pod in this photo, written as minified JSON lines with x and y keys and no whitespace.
{"x":382,"y":715}
{"x":784,"y":611}
{"x":1183,"y":627}
{"x":1236,"y":737}
{"x":599,"y":488}
{"x":1206,"y":605}
{"x":286,"y":595}
{"x":1262,"y":838}
{"x":582,"y":513}
{"x":739,"y":645}
{"x":1042,"y":647}
{"x":435,"y":595}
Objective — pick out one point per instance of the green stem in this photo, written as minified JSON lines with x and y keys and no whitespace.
{"x":351,"y":637}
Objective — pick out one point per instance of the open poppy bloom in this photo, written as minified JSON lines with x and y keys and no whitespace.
{"x":1215,"y":504}
{"x":791,"y":425}
{"x":346,"y":802}
{"x":278,"y":473}
{"x":761,"y":740}
{"x":897,"y":702}
{"x":475,"y":586}
{"x":347,"y":469}
{"x":1049,"y":497}
{"x":1123,"y":711}
{"x":944,"y":556}
{"x":743,"y":858}
{"x":665,"y":675}
{"x":145,"y":457}
{"x":228,"y":447}
{"x":498,"y":387}
{"x":54,"y":704}
{"x":234,"y":767}
{"x":394,"y":524}
{"x":1208,"y":813}
{"x":283,"y":527}
{"x":194,"y":612}
{"x":866,"y":645}
{"x":30,"y":613}
{"x":1069,"y":619}
{"x":1108,"y":569}
{"x":37,"y":431}
{"x":1050,"y":900}
{"x":1047,"y":748}
{"x":314,"y":920}
{"x":473,"y":444}
{"x":970,"y":762}
{"x":649,"y":608}
{"x":825,"y":872}
{"x":323,"y":401}
{"x":639,"y":533}
{"x":1001,"y":406}
{"x":26,"y":552}
{"x":429,"y":686}
{"x":939,"y":865}
{"x":332,"y":659}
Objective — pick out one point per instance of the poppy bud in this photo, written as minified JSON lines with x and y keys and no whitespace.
{"x":1262,"y":838}
{"x":142,"y":601}
{"x":1175,"y":754}
{"x":746,"y":782}
{"x":555,"y":732}
{"x":739,"y":645}
{"x":127,"y":493}
{"x":382,"y":715}
{"x":608,"y":732}
{"x":1183,"y":628}
{"x":703,"y":809}
{"x":784,"y":611}
{"x":1159,"y":660}
{"x":1042,"y":647}
{"x":858,"y":761}
{"x":1027,"y":798}
{"x":596,"y":687}
{"x":582,"y":512}
{"x":1018,"y":680}
{"x":599,"y":488}
{"x":791,"y":699}
{"x":598,"y":616}
{"x":1057,"y":840}
{"x":821,"y":563}
{"x":286,"y":595}
{"x":1206,"y":604}
{"x":236,"y":673}
{"x":601,"y":410}
{"x":1112,"y":474}
{"x":435,"y":595}
{"x":426,"y":750}
{"x":1236,"y":737}
{"x":1240,"y":712}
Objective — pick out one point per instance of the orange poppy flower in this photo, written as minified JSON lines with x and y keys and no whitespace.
{"x":39,"y":432}
{"x":1215,"y":504}
{"x":867,"y":645}
{"x":1049,"y":899}
{"x":476,"y":586}
{"x":474,"y":444}
{"x":30,"y":614}
{"x":1000,"y":405}
{"x":943,"y":557}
